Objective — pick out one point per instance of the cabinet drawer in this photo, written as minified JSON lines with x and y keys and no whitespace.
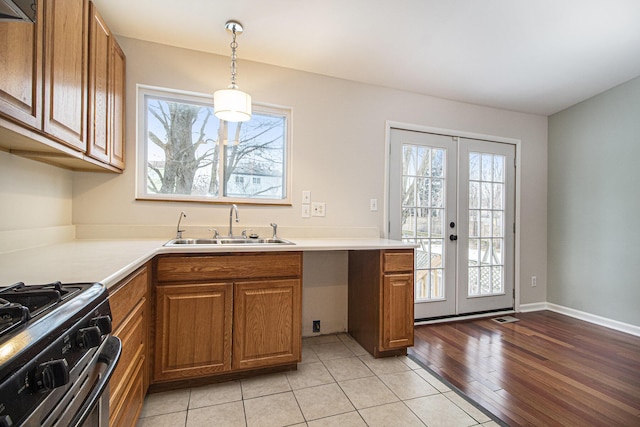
{"x":397,"y":261}
{"x":229,"y":266}
{"x":126,"y":412}
{"x":132,"y":334}
{"x":125,"y":297}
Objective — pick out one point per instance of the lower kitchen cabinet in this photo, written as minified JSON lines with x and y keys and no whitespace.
{"x":267,"y":323}
{"x":193,"y":330}
{"x":226,"y":313}
{"x":380,"y":301}
{"x":130,"y":380}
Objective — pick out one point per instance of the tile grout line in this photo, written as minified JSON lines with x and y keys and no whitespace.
{"x":338,"y":383}
{"x":374,"y":374}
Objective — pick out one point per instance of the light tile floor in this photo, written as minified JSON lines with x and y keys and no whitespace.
{"x":337,"y":384}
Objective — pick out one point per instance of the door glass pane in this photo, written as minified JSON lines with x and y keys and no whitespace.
{"x":408,"y":222}
{"x":408,"y":193}
{"x":498,"y":201}
{"x":474,"y":224}
{"x":474,"y":166}
{"x":422,"y":260}
{"x":486,"y":221}
{"x":437,"y":193}
{"x":424,"y":191}
{"x":474,"y":253}
{"x":423,"y":187}
{"x":473,"y":281}
{"x":437,"y":222}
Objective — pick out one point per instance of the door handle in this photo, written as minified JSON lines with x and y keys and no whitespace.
{"x":453,"y":237}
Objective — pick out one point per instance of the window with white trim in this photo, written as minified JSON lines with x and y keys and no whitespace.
{"x":186,"y":153}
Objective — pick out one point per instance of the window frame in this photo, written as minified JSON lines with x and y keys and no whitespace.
{"x":179,"y":95}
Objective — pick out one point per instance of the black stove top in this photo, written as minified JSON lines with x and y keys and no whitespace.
{"x":19,"y":303}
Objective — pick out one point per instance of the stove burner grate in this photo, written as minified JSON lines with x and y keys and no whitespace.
{"x":19,"y":303}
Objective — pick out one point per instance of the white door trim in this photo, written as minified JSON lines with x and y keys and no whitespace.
{"x":463,"y":134}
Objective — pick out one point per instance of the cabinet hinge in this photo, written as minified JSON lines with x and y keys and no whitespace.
{"x":514,"y":228}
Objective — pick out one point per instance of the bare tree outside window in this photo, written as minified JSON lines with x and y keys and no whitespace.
{"x":191,"y":155}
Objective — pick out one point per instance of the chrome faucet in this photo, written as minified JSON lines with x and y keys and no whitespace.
{"x":233,"y":208}
{"x":178,"y":231}
{"x":216,"y":235}
{"x":275,"y":229}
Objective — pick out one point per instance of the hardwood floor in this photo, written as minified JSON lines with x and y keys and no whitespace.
{"x":545,"y":370}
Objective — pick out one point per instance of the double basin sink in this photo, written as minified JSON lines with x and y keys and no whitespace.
{"x":229,"y":241}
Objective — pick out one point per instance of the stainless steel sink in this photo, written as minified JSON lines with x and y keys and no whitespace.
{"x":228,"y":241}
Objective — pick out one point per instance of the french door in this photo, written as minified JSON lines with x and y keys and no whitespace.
{"x":455,"y":198}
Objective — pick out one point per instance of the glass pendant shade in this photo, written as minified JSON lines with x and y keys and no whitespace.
{"x":232,"y":105}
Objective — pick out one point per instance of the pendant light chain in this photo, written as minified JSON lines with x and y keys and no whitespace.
{"x":234,"y":46}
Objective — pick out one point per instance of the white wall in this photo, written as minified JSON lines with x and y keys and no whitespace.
{"x":338,"y":149}
{"x":594,"y":201}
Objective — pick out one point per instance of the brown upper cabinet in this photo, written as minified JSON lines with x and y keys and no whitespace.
{"x":106,"y":94}
{"x":21,"y":69}
{"x":65,"y":71}
{"x":62,"y":100}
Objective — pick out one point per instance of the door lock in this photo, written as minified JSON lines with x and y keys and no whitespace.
{"x":453,"y":237}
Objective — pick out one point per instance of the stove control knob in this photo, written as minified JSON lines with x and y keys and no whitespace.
{"x":53,"y":374}
{"x":88,"y":337}
{"x":102,"y":322}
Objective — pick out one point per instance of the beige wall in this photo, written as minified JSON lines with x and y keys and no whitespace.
{"x":338,"y":149}
{"x":33,"y":195}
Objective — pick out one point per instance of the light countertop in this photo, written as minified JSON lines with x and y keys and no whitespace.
{"x":109,"y":261}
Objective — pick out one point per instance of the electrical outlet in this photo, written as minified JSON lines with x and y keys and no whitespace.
{"x":306,"y":196}
{"x":306,"y":212}
{"x":318,"y":209}
{"x":373,"y":205}
{"x":316,"y":326}
{"x":534,"y":281}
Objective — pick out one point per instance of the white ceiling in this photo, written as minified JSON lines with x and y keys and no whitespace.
{"x":534,"y":56}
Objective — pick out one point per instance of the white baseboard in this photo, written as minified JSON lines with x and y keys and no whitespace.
{"x":536,"y":306}
{"x":582,"y":315}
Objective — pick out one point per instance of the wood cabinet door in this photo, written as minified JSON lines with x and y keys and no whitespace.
{"x":98,"y":144}
{"x":396,"y":311}
{"x":21,"y":70}
{"x":193,"y":330}
{"x":266,"y":323}
{"x":117,"y":103}
{"x":65,"y":71}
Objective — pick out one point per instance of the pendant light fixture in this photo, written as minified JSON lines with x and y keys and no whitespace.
{"x":232,"y":105}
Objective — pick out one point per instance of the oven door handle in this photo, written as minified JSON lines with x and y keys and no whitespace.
{"x":107,"y":360}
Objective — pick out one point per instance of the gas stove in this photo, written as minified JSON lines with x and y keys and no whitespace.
{"x":56,"y":354}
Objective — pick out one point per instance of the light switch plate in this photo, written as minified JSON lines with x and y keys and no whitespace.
{"x":373,"y":205}
{"x":306,"y":196}
{"x":306,"y":211}
{"x":317,"y":209}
